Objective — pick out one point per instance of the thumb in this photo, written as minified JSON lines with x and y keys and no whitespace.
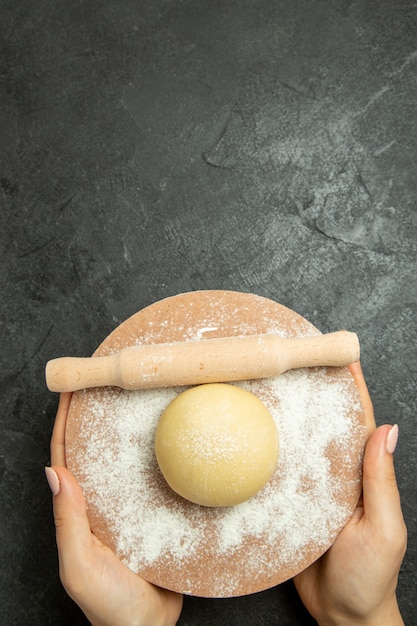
{"x":73,"y":534}
{"x":381,"y":498}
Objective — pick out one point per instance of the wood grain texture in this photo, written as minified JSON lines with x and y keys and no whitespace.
{"x":259,"y":560}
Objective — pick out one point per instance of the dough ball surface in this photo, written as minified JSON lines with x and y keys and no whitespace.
{"x":216,"y":444}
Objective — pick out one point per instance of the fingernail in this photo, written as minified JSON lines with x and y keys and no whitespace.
{"x":392,"y":439}
{"x":53,"y":480}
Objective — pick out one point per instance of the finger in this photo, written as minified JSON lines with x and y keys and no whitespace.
{"x":357,"y":373}
{"x":381,"y":497}
{"x":58,"y":433}
{"x":73,"y":534}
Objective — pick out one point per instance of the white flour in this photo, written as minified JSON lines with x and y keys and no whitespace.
{"x":302,"y":505}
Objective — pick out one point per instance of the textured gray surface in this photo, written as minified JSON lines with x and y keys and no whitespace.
{"x":153,"y":148}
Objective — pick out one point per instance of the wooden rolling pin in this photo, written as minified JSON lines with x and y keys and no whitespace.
{"x":203,"y":361}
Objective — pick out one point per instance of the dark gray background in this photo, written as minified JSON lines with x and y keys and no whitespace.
{"x":154,"y":147}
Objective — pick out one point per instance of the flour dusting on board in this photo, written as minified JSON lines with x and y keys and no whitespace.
{"x":299,"y":506}
{"x":220,"y":551}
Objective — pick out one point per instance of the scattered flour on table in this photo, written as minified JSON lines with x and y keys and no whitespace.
{"x":298,"y":507}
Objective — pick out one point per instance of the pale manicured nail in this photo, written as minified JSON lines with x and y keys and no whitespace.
{"x":392,"y":439}
{"x":53,"y":480}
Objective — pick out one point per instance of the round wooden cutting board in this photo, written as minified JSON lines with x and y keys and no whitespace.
{"x":219,"y":552}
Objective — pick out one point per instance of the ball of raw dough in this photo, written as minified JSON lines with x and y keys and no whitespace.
{"x":216,"y":444}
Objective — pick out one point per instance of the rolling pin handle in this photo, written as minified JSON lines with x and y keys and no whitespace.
{"x":73,"y":373}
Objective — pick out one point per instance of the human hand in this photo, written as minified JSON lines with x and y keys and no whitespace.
{"x":355,"y":581}
{"x":106,"y":590}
